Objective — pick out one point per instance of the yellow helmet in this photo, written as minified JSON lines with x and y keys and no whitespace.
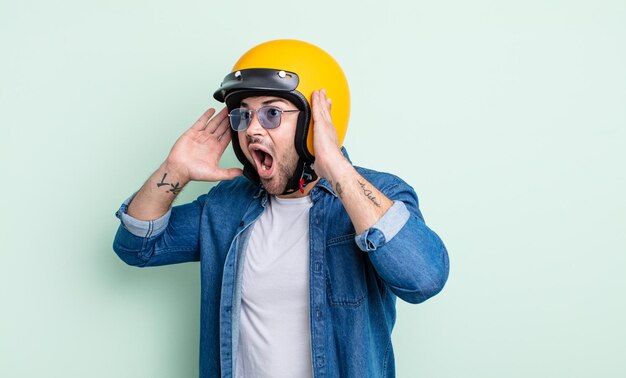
{"x":292,"y":70}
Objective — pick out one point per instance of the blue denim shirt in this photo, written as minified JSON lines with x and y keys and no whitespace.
{"x":354,"y":279}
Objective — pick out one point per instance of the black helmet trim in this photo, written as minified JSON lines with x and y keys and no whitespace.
{"x":262,"y":79}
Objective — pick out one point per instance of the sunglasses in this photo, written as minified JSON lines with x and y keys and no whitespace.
{"x":268,"y":116}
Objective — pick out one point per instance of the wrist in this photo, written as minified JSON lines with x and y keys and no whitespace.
{"x":175,"y":172}
{"x":339,"y":171}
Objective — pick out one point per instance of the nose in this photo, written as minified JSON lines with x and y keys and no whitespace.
{"x":255,"y":127}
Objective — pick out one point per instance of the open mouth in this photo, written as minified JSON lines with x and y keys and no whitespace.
{"x":263,"y":160}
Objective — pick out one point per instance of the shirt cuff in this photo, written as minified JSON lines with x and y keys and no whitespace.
{"x":141,"y":228}
{"x":385,"y":229}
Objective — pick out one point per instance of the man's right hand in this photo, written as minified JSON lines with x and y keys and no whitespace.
{"x":195,"y":156}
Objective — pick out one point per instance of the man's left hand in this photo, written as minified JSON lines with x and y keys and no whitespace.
{"x":328,"y":155}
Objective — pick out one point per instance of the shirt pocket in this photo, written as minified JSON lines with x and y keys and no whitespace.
{"x":345,"y":272}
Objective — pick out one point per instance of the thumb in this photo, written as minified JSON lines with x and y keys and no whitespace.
{"x":228,"y":173}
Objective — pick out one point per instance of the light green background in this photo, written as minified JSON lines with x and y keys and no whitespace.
{"x":508,"y":118}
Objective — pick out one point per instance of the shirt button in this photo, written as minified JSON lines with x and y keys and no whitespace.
{"x":241,"y":224}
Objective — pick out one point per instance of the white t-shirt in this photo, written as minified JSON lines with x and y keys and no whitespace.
{"x":274,"y":337}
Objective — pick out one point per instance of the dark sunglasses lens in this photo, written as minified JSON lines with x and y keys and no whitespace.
{"x":239,"y":119}
{"x":269,"y":117}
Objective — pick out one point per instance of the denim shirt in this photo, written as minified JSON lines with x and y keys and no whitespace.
{"x":354,"y":279}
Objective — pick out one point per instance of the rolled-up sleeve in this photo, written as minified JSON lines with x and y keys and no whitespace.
{"x":141,"y":228}
{"x":385,"y":229}
{"x":170,"y":239}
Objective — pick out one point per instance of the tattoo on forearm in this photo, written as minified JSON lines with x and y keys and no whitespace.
{"x":160,"y":184}
{"x":339,"y":190}
{"x":368,"y":193}
{"x":173,"y":188}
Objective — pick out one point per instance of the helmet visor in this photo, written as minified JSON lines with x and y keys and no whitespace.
{"x":257,"y":79}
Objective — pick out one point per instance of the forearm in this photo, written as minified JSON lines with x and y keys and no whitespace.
{"x":363,"y":202}
{"x":157,"y":194}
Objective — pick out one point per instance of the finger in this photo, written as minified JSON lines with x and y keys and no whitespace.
{"x":216,"y":121}
{"x":325,"y":102}
{"x":316,"y":106}
{"x":202,"y":121}
{"x":221,"y":127}
{"x":224,"y":139}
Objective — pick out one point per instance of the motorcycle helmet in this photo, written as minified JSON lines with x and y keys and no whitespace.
{"x":292,"y":70}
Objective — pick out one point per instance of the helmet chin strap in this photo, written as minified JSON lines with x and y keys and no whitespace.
{"x":302,"y":176}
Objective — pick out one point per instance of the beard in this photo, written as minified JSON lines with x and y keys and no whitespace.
{"x":284,"y":162}
{"x":286,"y":167}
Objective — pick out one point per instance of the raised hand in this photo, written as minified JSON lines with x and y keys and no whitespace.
{"x":328,"y":155}
{"x":196,"y":154}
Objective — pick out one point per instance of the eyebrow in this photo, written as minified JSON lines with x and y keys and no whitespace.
{"x":266,"y":102}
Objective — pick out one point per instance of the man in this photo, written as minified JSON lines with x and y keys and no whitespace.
{"x":303,"y":258}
